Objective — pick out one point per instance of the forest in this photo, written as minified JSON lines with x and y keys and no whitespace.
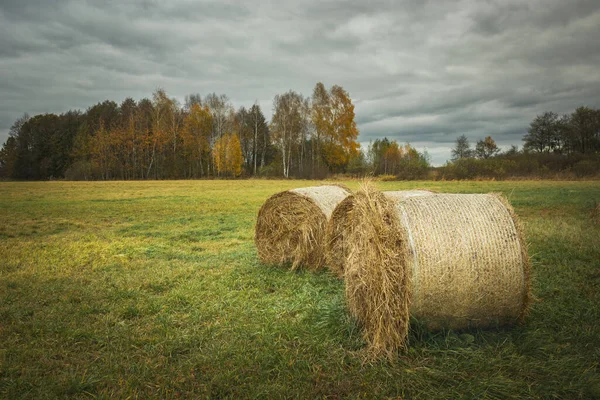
{"x":159,"y":138}
{"x":554,"y":146}
{"x":308,"y":137}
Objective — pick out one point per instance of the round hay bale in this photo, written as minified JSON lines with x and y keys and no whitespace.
{"x":339,"y":225}
{"x":290,"y":227}
{"x":450,"y":260}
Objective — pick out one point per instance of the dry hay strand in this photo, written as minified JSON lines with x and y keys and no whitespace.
{"x":290,"y":227}
{"x":450,"y":260}
{"x":339,"y":226}
{"x":374,"y":290}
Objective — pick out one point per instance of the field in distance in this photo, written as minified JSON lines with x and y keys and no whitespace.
{"x":154,"y":289}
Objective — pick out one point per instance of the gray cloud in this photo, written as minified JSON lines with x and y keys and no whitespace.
{"x":419,"y":71}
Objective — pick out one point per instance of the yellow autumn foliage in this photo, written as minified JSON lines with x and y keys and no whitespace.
{"x":227,"y":154}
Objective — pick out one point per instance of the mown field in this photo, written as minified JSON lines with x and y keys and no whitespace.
{"x":154,"y":289}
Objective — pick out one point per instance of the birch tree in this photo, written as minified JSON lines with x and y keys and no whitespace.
{"x":287,"y":125}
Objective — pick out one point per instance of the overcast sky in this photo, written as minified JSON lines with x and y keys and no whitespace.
{"x":418,"y":71}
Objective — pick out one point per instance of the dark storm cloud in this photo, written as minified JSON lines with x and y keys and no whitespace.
{"x":423,"y":72}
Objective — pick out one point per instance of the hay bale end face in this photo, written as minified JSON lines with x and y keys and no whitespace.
{"x":339,"y":225}
{"x":450,"y":260}
{"x":290,"y":228}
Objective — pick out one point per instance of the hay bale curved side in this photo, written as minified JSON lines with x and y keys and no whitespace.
{"x":336,"y":235}
{"x":450,"y":260}
{"x":290,"y":227}
{"x":338,"y":228}
{"x":470,"y":266}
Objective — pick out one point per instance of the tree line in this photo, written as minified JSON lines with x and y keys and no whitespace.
{"x":159,"y":138}
{"x":389,"y":158}
{"x":554,"y":145}
{"x":307,"y":137}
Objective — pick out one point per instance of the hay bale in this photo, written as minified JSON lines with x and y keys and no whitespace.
{"x":290,"y":227}
{"x":450,"y":260}
{"x":338,"y":228}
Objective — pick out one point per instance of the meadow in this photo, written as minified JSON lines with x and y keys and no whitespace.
{"x":154,"y":290}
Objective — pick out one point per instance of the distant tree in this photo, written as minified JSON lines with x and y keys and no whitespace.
{"x":260,"y":132}
{"x":196,"y":132}
{"x":69,"y":124}
{"x":462,"y":148}
{"x":144,"y":126}
{"x":163,"y":111}
{"x":412,"y":164}
{"x":10,"y":149}
{"x":38,"y":154}
{"x":243,"y":128}
{"x":543,"y":134}
{"x":227,"y":154}
{"x":82,"y":145}
{"x":321,"y":119}
{"x":342,"y":144}
{"x":376,"y":155}
{"x":332,"y":115}
{"x":391,"y":158}
{"x":15,"y":129}
{"x":102,"y":151}
{"x":486,"y":148}
{"x":8,"y":154}
{"x":358,"y":164}
{"x":287,"y":124}
{"x":106,"y":113}
{"x":219,"y":153}
{"x":234,"y":156}
{"x":221,"y":110}
{"x":222,"y":115}
{"x":583,"y":130}
{"x":127,"y":111}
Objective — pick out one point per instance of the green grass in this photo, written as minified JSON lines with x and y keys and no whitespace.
{"x":154,"y":289}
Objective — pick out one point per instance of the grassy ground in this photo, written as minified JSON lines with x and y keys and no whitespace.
{"x":153,"y":289}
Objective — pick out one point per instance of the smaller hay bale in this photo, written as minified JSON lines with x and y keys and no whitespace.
{"x":449,"y":260}
{"x":339,"y":226}
{"x":290,"y":227}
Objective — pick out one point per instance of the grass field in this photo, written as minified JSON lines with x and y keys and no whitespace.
{"x":154,"y":289}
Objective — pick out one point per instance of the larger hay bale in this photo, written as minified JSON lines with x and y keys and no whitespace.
{"x":339,"y":226}
{"x":450,"y":260}
{"x":290,"y":227}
